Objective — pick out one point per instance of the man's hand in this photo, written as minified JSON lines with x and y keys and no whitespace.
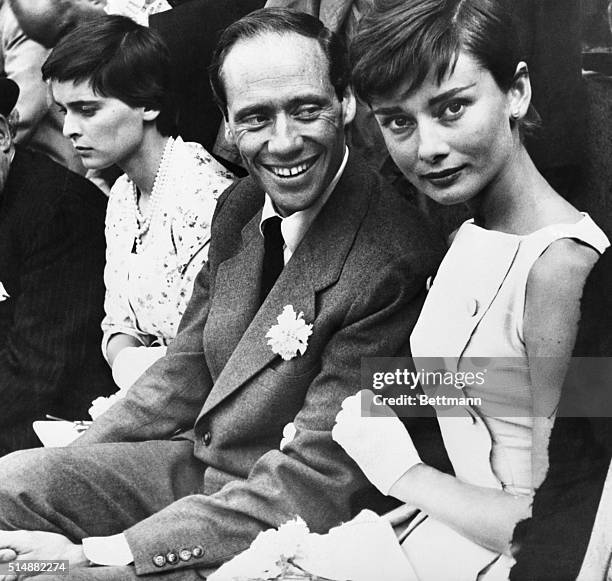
{"x":40,"y":546}
{"x":381,"y":446}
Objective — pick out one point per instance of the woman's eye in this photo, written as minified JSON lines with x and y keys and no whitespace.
{"x":400,"y":124}
{"x":88,"y":111}
{"x":453,"y":109}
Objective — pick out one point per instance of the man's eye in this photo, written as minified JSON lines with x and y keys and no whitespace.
{"x":254,"y":121}
{"x":308,"y":112}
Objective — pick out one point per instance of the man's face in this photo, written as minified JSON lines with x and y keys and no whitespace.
{"x":46,"y":21}
{"x":285,"y":117}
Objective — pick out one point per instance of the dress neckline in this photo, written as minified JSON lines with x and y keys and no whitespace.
{"x":585,"y":219}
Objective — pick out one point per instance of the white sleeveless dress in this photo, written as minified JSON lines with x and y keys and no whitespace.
{"x":473,"y":318}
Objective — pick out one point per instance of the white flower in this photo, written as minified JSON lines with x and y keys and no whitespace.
{"x":101,"y":404}
{"x":289,"y":432}
{"x":290,"y":335}
{"x":269,"y":554}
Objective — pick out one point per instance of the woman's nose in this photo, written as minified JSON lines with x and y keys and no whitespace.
{"x":432,"y":146}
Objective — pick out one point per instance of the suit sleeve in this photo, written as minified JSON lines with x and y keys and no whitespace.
{"x":57,"y":312}
{"x":168,"y":396}
{"x":312,"y":476}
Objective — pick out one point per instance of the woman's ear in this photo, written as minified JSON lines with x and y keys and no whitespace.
{"x":150,"y":114}
{"x":6,"y":136}
{"x":520,"y":92}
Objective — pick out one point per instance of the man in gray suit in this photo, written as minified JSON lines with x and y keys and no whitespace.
{"x":183,"y":473}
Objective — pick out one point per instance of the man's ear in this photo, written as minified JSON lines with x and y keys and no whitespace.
{"x":349,"y":105}
{"x":520,"y":92}
{"x":6,"y":136}
{"x":229,"y":134}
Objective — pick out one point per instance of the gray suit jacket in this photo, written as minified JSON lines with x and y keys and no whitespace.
{"x":359,"y":276}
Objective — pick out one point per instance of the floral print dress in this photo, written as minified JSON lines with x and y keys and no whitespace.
{"x":148,"y":286}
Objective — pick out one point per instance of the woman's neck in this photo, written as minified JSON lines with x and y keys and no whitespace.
{"x":143,"y":165}
{"x":520,"y":200}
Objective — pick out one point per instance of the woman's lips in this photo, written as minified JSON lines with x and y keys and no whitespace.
{"x":444,"y":177}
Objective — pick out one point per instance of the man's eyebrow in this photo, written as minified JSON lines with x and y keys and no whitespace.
{"x":250,"y":110}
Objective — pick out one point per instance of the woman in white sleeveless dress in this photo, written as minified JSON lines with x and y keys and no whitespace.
{"x":447,"y":86}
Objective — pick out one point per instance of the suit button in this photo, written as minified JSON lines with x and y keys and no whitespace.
{"x":159,"y":560}
{"x":172,"y":558}
{"x":185,"y":555}
{"x":197,"y":552}
{"x":206,"y":438}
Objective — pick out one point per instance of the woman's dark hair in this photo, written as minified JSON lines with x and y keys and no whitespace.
{"x":280,"y":21}
{"x":399,"y":43}
{"x":118,"y":58}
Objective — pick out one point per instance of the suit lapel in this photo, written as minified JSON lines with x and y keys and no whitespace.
{"x":236,"y":298}
{"x":315,"y":265}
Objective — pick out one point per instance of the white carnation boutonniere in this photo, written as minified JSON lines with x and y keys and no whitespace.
{"x":290,"y":335}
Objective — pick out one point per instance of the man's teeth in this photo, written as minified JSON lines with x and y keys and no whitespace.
{"x":287,"y":172}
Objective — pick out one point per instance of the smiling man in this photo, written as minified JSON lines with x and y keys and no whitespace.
{"x":183,"y":473}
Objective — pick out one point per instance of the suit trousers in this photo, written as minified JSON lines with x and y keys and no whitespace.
{"x":96,"y":490}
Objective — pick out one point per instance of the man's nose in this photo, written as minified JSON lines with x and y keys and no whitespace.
{"x":432,"y":145}
{"x":285,"y":137}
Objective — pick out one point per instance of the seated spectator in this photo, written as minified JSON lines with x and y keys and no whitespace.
{"x":39,"y":124}
{"x":447,"y":85}
{"x":112,"y":78}
{"x":51,"y":288}
{"x":568,"y":536}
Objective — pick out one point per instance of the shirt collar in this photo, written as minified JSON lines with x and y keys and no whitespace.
{"x":296,"y":225}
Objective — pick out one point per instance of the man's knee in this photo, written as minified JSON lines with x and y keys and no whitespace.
{"x":23,"y":477}
{"x":17,"y":468}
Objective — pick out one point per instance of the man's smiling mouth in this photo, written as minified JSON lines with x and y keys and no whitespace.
{"x":291,"y":171}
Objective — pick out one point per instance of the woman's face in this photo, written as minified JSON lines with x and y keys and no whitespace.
{"x":103,"y":130}
{"x":453,"y":139}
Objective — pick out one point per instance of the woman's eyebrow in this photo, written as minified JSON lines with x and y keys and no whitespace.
{"x":448,"y":94}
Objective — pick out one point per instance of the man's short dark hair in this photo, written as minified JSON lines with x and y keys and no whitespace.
{"x":121,"y":59}
{"x":280,"y":21}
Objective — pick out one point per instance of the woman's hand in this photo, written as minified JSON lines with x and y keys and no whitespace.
{"x":381,"y":446}
{"x":131,"y":362}
{"x":117,"y":343}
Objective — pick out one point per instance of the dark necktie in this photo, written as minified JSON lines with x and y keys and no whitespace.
{"x":273,"y":261}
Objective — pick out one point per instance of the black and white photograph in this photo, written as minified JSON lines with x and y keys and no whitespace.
{"x":306,"y":289}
